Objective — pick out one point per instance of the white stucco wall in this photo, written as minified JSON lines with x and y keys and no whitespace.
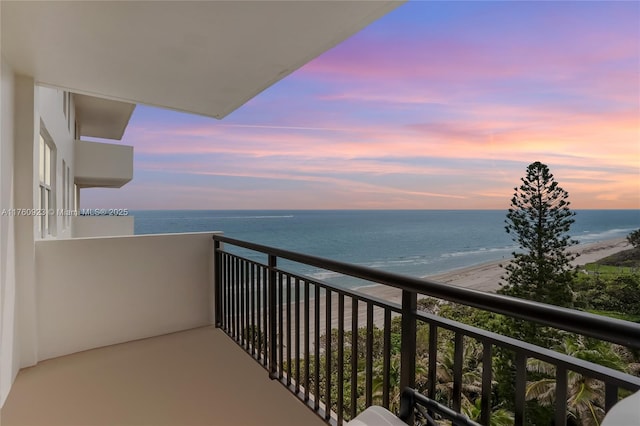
{"x":25,"y":107}
{"x":102,"y":226}
{"x":26,"y":127}
{"x":103,"y":164}
{"x":94,"y":292}
{"x":9,"y":362}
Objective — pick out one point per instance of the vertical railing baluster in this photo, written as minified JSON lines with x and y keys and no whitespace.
{"x":288,"y":330}
{"x":316,"y":349}
{"x":265,"y":315}
{"x":458,"y":361}
{"x":354,"y":357}
{"x":521,"y":384}
{"x":247,"y":294}
{"x":327,"y":355}
{"x":273,"y":341}
{"x":232,"y":297}
{"x":386,"y":353}
{"x":408,"y":340}
{"x":340,"y":402}
{"x":252,"y":281}
{"x":610,"y":396}
{"x":307,"y":337}
{"x":433,"y":362}
{"x":241,"y":297}
{"x":236,"y":306}
{"x":237,"y":294}
{"x":228,"y":297}
{"x":487,"y":376}
{"x":259,"y":325}
{"x":281,"y":337}
{"x":297,"y":334}
{"x":561,"y":396}
{"x":369,"y":358}
{"x":217,"y":284}
{"x":240,"y":303}
{"x":225,"y":292}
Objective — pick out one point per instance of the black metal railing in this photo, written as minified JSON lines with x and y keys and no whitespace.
{"x":340,"y":350}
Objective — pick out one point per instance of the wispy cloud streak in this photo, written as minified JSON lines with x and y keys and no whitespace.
{"x":438,"y":105}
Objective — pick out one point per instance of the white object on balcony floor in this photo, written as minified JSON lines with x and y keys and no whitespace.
{"x":625,"y":413}
{"x":376,"y":416}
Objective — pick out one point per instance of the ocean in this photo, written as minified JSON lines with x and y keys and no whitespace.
{"x":410,"y":242}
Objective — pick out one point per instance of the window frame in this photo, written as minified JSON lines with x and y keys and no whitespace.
{"x":46,"y":185}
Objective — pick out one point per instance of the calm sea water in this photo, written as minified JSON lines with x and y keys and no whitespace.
{"x":410,"y":242}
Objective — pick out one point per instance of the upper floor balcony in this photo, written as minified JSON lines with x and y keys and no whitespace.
{"x":337,"y":350}
{"x":102,"y":164}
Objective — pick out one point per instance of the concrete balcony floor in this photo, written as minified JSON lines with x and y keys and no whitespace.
{"x":196,"y":377}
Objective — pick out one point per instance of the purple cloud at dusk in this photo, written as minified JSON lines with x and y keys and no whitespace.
{"x":438,"y":105}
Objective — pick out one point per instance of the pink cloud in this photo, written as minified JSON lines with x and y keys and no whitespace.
{"x":382,"y":121}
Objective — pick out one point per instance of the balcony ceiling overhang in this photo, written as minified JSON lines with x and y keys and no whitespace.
{"x":102,"y":118}
{"x":203,"y":57}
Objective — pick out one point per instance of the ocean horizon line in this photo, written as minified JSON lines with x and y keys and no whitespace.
{"x":418,"y":243}
{"x":357,"y":210}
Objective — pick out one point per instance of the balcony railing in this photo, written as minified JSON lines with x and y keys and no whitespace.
{"x":336,"y":349}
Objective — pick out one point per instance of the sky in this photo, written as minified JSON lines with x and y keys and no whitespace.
{"x":437,"y":105}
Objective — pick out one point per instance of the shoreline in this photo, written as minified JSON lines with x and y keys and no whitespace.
{"x":483,"y":277}
{"x":487,"y":276}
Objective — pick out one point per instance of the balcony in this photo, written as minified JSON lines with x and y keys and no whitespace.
{"x":102,"y":164}
{"x":341,"y":350}
{"x":102,"y":226}
{"x":196,"y":377}
{"x":147,"y":303}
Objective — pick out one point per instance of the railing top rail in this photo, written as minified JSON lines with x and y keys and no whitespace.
{"x":604,"y":328}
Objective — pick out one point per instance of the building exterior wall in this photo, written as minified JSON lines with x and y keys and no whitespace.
{"x":26,"y":110}
{"x":57,"y":117}
{"x":9,"y":356}
{"x":60,"y":295}
{"x":94,"y":292}
{"x":26,"y":131}
{"x":29,"y":111}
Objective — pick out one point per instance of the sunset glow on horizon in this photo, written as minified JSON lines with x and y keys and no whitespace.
{"x":438,"y":105}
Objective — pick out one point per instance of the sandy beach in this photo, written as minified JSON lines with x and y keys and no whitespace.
{"x":487,"y":276}
{"x":483,"y":277}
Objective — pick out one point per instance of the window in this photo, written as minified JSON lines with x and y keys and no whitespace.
{"x":66,"y":108}
{"x":46,"y":201}
{"x":69,"y":111}
{"x":66,"y":195}
{"x":64,"y":184}
{"x":67,"y":205}
{"x":76,"y":197}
